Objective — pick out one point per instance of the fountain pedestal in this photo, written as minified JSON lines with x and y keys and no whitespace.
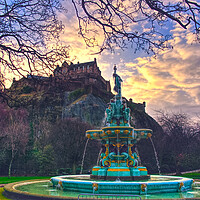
{"x":118,"y":159}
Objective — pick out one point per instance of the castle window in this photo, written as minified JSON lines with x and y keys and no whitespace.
{"x":83,"y":68}
{"x":78,"y":68}
{"x":88,"y":67}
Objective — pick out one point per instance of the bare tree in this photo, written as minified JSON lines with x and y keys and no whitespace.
{"x":1,"y":81}
{"x":181,"y":136}
{"x":178,"y":125}
{"x":141,"y":23}
{"x":29,"y":35}
{"x":14,"y":131}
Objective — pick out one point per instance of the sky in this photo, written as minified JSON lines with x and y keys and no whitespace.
{"x":169,"y":82}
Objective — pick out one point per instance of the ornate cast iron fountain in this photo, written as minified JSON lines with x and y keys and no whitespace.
{"x":118,"y":159}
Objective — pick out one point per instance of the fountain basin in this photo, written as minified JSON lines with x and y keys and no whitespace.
{"x":43,"y":190}
{"x":156,"y":184}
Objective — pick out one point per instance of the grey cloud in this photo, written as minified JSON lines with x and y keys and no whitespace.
{"x":164,"y":75}
{"x":182,"y":96}
{"x":140,"y":79}
{"x":172,"y":87}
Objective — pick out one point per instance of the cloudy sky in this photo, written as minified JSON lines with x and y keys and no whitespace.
{"x":170,"y":82}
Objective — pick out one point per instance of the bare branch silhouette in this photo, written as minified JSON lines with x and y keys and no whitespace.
{"x":28,"y":29}
{"x":140,"y":23}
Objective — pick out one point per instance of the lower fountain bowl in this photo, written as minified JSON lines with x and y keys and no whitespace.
{"x":156,"y":184}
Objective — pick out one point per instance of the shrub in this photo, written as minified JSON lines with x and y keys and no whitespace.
{"x":27,"y":89}
{"x":76,"y":94}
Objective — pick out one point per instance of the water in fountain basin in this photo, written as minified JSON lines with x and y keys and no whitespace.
{"x":99,"y":156}
{"x":84,"y":156}
{"x":156,"y":155}
{"x":37,"y":188}
{"x":137,"y":152}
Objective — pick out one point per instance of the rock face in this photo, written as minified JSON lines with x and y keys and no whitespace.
{"x":88,"y":108}
{"x":140,"y":119}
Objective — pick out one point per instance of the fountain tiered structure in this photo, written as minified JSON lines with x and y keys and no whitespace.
{"x":118,"y":171}
{"x":119,"y":160}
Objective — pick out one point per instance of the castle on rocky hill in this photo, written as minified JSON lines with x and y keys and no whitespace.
{"x":69,"y":77}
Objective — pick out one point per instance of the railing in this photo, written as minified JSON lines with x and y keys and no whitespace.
{"x":108,"y":196}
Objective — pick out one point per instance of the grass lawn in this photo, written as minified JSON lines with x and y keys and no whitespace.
{"x":5,"y":180}
{"x":194,"y":175}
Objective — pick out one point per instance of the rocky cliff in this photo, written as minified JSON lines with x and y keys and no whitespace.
{"x":88,"y":108}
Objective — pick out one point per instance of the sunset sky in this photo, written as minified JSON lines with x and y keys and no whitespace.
{"x":171,"y":81}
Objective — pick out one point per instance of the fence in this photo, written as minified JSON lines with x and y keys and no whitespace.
{"x":108,"y":196}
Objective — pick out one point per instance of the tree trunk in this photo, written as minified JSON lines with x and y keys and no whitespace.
{"x":10,"y":167}
{"x":74,"y":168}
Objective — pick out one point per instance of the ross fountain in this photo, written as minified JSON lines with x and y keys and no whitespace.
{"x":118,"y":170}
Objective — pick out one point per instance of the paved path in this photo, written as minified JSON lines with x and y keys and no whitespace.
{"x":197,"y":170}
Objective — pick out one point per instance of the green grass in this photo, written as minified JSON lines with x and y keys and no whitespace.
{"x":5,"y":180}
{"x":194,"y":175}
{"x":1,"y":195}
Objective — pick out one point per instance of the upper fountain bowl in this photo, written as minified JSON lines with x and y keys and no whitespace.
{"x":120,"y":132}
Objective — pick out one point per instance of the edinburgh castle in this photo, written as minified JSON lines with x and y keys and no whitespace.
{"x":69,"y":77}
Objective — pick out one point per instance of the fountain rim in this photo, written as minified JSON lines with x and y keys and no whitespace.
{"x":10,"y":191}
{"x":177,"y":179}
{"x":119,"y":127}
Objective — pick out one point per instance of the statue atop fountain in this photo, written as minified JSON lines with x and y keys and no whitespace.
{"x":118,"y":159}
{"x":118,"y":81}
